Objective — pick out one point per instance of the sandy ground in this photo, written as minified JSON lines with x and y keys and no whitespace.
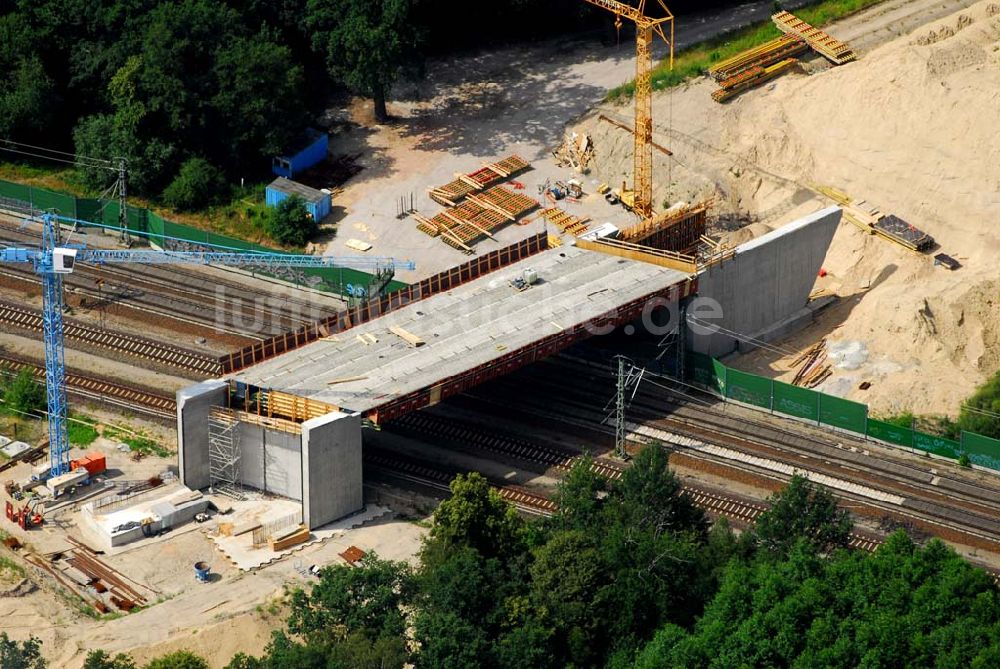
{"x":909,"y":127}
{"x":215,"y":620}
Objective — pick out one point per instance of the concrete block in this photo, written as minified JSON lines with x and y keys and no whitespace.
{"x":193,"y":404}
{"x":331,"y":465}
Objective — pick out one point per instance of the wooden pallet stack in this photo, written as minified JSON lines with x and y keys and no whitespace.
{"x":829,"y":47}
{"x":574,"y":225}
{"x":454,"y":191}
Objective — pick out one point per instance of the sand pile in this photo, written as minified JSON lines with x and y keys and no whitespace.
{"x":912,"y":126}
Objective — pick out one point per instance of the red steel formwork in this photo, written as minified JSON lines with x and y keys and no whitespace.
{"x":542,"y":348}
{"x":345,"y":320}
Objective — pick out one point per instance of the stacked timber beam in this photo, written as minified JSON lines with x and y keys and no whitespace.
{"x":812,"y":366}
{"x":479,"y":216}
{"x":829,"y":47}
{"x":454,"y":191}
{"x":751,"y":78}
{"x":574,"y":225}
{"x":769,"y":53}
{"x":767,"y":61}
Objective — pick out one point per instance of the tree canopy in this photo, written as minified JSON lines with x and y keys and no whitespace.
{"x":627,"y":575}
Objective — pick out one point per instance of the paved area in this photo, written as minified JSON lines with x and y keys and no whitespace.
{"x":462,"y":329}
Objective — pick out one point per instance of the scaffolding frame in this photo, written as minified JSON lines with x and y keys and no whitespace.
{"x":224,"y":453}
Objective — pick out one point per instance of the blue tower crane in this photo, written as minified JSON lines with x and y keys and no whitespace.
{"x":54,"y":259}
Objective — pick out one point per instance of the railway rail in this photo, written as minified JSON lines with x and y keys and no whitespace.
{"x":123,"y":396}
{"x":927,"y":497}
{"x":735,"y":508}
{"x":179,"y":295}
{"x":139,"y":347}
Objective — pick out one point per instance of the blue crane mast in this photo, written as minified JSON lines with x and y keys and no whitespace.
{"x":54,"y":259}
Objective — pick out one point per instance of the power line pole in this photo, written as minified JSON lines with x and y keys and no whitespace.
{"x":620,"y":409}
{"x":123,"y":235}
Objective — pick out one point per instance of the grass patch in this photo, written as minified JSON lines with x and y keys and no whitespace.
{"x":904,"y":419}
{"x":10,"y":571}
{"x":138,"y":442}
{"x":82,"y":430}
{"x":696,"y":59}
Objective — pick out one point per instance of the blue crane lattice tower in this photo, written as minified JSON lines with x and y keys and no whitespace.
{"x":54,"y":259}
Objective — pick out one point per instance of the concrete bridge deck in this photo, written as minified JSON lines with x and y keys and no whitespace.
{"x":471,"y":333}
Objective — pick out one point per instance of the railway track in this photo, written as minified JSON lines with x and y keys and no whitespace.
{"x":138,"y":347}
{"x":741,"y":510}
{"x":122,"y":396}
{"x":437,"y":478}
{"x":181,"y":295}
{"x":571,"y":400}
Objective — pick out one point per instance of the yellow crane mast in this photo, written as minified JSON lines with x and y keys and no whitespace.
{"x":645,"y":28}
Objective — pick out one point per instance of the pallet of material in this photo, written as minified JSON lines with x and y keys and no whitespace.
{"x":565,"y":222}
{"x":766,"y":54}
{"x":829,"y":47}
{"x":896,"y":229}
{"x":751,"y":78}
{"x":290,"y":537}
{"x":454,"y":191}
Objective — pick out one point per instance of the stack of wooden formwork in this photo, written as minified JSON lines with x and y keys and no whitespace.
{"x":454,"y":191}
{"x":479,"y":216}
{"x":574,"y":225}
{"x":829,"y":47}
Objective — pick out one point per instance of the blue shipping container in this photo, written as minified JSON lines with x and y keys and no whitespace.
{"x":317,"y":202}
{"x":311,"y":149}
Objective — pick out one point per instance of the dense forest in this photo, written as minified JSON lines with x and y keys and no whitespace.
{"x":194,"y":92}
{"x":630,"y":575}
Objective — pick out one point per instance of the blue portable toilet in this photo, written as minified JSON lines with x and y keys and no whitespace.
{"x":317,"y":201}
{"x":310,"y":149}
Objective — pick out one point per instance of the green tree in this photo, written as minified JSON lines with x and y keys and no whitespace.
{"x":650,"y":495}
{"x":24,"y":393}
{"x":449,"y":642}
{"x":21,"y":655}
{"x":981,"y":412}
{"x":476,"y":516}
{"x":181,"y":659}
{"x":347,"y":599}
{"x":197,"y":185}
{"x":99,"y":659}
{"x":578,"y":497}
{"x":569,"y":579}
{"x":260,"y":98}
{"x":290,"y":223}
{"x":366,"y":43}
{"x":27,"y":95}
{"x":803,"y":511}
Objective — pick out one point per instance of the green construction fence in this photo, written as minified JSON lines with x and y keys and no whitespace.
{"x":32,"y":200}
{"x":823,"y":409}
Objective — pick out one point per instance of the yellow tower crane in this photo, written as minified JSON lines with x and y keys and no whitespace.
{"x":645,"y":27}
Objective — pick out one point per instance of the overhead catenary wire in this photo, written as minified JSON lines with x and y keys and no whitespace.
{"x":744,"y":337}
{"x":77,"y":156}
{"x":58,"y":160}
